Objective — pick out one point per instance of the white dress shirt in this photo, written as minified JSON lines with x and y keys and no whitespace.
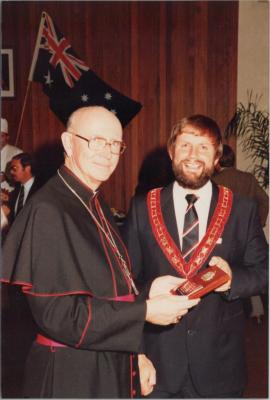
{"x":202,"y":206}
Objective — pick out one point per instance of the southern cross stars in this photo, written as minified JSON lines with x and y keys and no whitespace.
{"x":48,"y":80}
{"x":108,"y":96}
{"x":84,"y":98}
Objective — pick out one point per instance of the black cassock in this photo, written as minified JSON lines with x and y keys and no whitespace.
{"x":78,"y":294}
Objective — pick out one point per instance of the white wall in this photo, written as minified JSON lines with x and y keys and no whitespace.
{"x":253,"y":60}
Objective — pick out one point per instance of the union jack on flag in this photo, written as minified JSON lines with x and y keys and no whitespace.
{"x":68,"y":81}
{"x":58,"y":48}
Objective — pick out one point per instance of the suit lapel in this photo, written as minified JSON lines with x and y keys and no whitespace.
{"x":213,"y":203}
{"x":168,"y":212}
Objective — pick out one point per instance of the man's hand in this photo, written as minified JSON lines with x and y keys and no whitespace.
{"x":147,"y":374}
{"x":222,"y":264}
{"x":164,"y":285}
{"x":168,"y":309}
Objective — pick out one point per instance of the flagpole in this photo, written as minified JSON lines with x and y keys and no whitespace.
{"x":31,"y":73}
{"x":35,"y":56}
{"x":22,"y":113}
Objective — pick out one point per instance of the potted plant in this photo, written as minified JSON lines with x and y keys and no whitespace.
{"x":251,"y":126}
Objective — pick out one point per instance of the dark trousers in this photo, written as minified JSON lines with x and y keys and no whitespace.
{"x":188,"y":391}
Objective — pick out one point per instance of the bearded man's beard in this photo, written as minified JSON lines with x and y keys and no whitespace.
{"x":191,"y":180}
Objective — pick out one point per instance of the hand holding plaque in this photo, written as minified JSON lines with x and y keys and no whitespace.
{"x":202,"y":283}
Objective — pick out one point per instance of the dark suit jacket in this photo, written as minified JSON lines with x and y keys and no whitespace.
{"x":210,"y":338}
{"x":15,"y":193}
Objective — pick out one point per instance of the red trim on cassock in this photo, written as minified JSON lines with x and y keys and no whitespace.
{"x":87,"y":323}
{"x":26,"y":287}
{"x":44,"y":341}
{"x":41,"y":339}
{"x":131,"y":377}
{"x":132,"y":391}
{"x":129,"y":298}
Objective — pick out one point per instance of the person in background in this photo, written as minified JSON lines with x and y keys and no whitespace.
{"x":240,"y":182}
{"x":7,"y":152}
{"x":245,"y":184}
{"x":23,"y":173}
{"x":16,"y":315}
{"x":65,"y":250}
{"x":181,"y":229}
{"x":156,"y":171}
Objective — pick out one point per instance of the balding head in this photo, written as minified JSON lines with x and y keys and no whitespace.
{"x":92,"y":117}
{"x":92,"y":163}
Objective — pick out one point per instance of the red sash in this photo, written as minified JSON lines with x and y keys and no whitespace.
{"x":207,"y":244}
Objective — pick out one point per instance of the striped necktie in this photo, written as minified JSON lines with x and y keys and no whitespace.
{"x":191,"y":228}
{"x":20,"y":200}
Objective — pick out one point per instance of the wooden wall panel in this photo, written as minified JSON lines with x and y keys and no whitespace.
{"x":222,"y":56}
{"x":177,"y":58}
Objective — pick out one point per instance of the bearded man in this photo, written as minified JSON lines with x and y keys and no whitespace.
{"x":180,"y":230}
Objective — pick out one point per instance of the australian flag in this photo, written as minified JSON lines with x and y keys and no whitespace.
{"x":68,"y":81}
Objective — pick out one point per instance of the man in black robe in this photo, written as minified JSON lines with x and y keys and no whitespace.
{"x":65,"y":251}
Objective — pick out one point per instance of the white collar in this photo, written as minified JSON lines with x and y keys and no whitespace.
{"x":202,"y":193}
{"x":27,"y":185}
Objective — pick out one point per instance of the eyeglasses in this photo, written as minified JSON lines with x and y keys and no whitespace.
{"x":97,"y":143}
